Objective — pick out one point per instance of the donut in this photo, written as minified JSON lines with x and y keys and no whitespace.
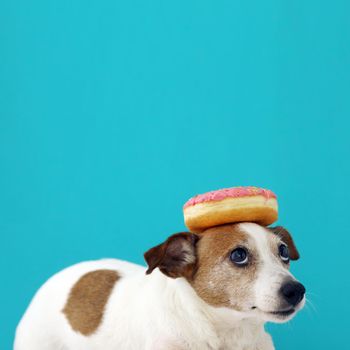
{"x":230,"y":205}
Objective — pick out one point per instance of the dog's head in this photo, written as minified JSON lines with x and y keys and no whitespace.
{"x":243,"y":267}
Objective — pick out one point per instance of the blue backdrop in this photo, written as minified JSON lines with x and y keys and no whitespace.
{"x":113,"y":113}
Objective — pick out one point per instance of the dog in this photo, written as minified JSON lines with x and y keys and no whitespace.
{"x":208,"y":291}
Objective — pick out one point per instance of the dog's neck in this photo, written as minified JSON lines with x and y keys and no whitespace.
{"x":204,"y":326}
{"x":236,"y":331}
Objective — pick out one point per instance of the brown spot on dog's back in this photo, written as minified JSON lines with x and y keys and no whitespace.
{"x":87,"y":300}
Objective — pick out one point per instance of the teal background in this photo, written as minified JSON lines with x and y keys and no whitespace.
{"x":113,"y":113}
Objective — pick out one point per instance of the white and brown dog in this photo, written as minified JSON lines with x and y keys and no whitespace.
{"x":213,"y":290}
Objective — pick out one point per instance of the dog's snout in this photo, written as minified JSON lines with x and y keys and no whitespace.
{"x":293,"y":292}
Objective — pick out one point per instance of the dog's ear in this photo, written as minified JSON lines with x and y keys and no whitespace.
{"x":176,"y":257}
{"x":287,"y":239}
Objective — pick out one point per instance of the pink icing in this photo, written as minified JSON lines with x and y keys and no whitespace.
{"x":233,"y":192}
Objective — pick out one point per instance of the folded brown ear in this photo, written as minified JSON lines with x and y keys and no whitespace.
{"x":176,"y":257}
{"x":287,"y":239}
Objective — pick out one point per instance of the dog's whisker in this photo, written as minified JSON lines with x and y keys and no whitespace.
{"x":313,"y":294}
{"x":309,"y":304}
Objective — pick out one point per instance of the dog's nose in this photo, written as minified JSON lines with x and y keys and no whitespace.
{"x":293,"y":292}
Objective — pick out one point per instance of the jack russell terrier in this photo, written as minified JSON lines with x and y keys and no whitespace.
{"x":208,"y":291}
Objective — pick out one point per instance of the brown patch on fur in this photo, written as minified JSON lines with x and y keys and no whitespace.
{"x":87,"y":299}
{"x":176,"y":257}
{"x":217,"y":280}
{"x":287,"y":239}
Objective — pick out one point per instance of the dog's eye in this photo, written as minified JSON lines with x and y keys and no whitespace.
{"x":239,"y":256}
{"x":284,"y":253}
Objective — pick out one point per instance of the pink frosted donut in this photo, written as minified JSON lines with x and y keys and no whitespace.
{"x":229,"y":205}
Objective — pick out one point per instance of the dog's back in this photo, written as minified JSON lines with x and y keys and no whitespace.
{"x":73,"y":304}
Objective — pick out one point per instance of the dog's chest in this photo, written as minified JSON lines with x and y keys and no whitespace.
{"x":246,"y":337}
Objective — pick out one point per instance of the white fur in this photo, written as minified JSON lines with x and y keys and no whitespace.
{"x":145,"y":312}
